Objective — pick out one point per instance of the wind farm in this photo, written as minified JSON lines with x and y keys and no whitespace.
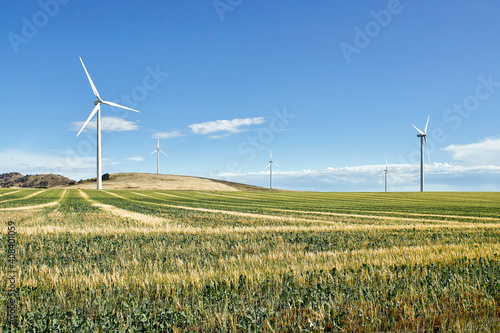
{"x":207,"y":232}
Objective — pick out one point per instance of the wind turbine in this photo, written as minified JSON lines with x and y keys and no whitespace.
{"x":423,"y":137}
{"x":386,"y":171}
{"x":158,"y":151}
{"x":270,"y":166}
{"x":97,"y":109}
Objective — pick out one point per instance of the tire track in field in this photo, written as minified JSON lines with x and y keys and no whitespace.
{"x":26,"y":197}
{"x":287,"y":218}
{"x":146,"y":219}
{"x":49,"y":204}
{"x":1,"y":195}
{"x":170,"y":195}
{"x":378,"y":217}
{"x":494,"y":219}
{"x":231,"y":230}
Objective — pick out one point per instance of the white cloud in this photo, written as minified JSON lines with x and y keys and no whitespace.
{"x":63,"y":162}
{"x":486,"y":152}
{"x":230,"y":126}
{"x":136,"y":159}
{"x":66,"y":163}
{"x":439,"y":176}
{"x":113,"y":124}
{"x":167,"y":135}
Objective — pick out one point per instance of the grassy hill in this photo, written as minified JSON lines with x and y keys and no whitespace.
{"x":146,"y":181}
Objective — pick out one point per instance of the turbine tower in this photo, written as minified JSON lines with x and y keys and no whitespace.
{"x":423,"y":137}
{"x":270,"y":165}
{"x":158,"y":151}
{"x":97,"y":109}
{"x":386,"y":171}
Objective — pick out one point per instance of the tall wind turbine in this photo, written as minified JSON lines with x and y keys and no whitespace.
{"x":97,"y":109}
{"x":158,"y":151}
{"x":386,"y":171}
{"x":423,"y":137}
{"x":270,"y":165}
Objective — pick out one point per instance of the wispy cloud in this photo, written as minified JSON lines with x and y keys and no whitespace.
{"x":369,"y":178}
{"x":168,"y":135}
{"x":65,"y":162}
{"x":486,"y":152}
{"x":113,"y":124}
{"x":136,"y":159}
{"x":228,"y":126}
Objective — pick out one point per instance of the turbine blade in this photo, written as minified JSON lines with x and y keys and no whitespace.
{"x":270,"y":154}
{"x":267,"y":166}
{"x":427,"y":124}
{"x":88,"y":119}
{"x":153,"y":152}
{"x":161,"y":151}
{"x":418,"y":129}
{"x":391,"y":174}
{"x":426,"y":146}
{"x":381,"y":174}
{"x":158,"y":142}
{"x":386,"y":163}
{"x":118,"y":106}
{"x":94,"y":89}
{"x":276,"y":164}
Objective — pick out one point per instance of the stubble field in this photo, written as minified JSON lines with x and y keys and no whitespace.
{"x":176,"y":261}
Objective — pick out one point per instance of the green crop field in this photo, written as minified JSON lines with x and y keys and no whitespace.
{"x":166,"y":261}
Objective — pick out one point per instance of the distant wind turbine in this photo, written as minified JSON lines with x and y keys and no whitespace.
{"x":386,"y":171}
{"x":158,"y":151}
{"x":270,"y":166}
{"x":423,"y":137}
{"x":97,"y":109}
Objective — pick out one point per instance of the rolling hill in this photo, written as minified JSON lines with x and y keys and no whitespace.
{"x":15,"y":179}
{"x":145,"y":181}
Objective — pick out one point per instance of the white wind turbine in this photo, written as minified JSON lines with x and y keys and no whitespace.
{"x":97,"y":109}
{"x":158,"y":151}
{"x":423,"y":137}
{"x":386,"y":171}
{"x":270,"y":166}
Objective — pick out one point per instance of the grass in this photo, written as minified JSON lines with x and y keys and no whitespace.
{"x":152,"y":261}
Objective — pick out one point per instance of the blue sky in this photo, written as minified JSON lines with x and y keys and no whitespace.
{"x":332,"y":87}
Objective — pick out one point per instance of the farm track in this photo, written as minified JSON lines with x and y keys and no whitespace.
{"x":24,"y":198}
{"x":243,"y":214}
{"x":328,"y":226}
{"x":49,"y":204}
{"x":7,"y":193}
{"x":146,"y":219}
{"x":241,"y":204}
{"x":274,"y":217}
